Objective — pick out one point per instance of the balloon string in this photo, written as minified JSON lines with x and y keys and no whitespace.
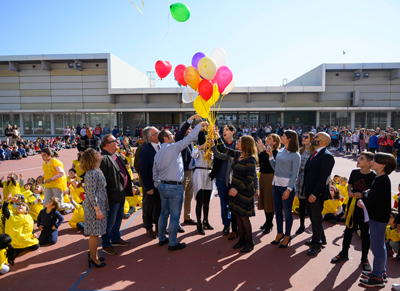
{"x":167,"y":25}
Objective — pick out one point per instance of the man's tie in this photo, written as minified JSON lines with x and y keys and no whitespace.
{"x":313,"y":155}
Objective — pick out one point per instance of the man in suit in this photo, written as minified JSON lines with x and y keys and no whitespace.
{"x":317,"y":174}
{"x":152,"y":205}
{"x":119,"y":185}
{"x":136,"y":165}
{"x":188,"y":166}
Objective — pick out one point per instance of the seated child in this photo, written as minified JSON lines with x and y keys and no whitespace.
{"x":71,"y":176}
{"x":40,"y":181}
{"x":77,"y":191}
{"x":11,"y":185}
{"x":32,"y":181}
{"x":396,"y":198}
{"x":19,"y":226}
{"x":333,"y":210}
{"x":33,"y":200}
{"x":392,"y":236}
{"x":22,"y":151}
{"x":13,"y":202}
{"x":129,"y":170}
{"x":78,"y":217}
{"x":15,"y":155}
{"x":48,"y":221}
{"x":336,"y":179}
{"x":76,"y":165}
{"x":68,"y":203}
{"x":2,"y":154}
{"x":6,"y":253}
{"x":344,"y":192}
{"x":8,"y":153}
{"x":132,"y":202}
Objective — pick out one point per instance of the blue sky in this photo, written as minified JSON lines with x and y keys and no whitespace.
{"x":265,"y":41}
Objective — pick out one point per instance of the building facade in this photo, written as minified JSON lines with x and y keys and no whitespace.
{"x":43,"y":94}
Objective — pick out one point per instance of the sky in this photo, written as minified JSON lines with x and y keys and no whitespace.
{"x":265,"y":40}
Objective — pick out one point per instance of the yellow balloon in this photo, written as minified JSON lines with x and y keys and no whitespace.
{"x":207,"y":68}
{"x":192,"y":77}
{"x":201,"y":106}
{"x":215,"y":95}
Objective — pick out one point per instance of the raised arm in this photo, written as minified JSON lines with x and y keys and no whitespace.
{"x":192,"y":136}
{"x":218,"y":155}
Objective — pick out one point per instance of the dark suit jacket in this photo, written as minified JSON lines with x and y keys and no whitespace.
{"x":187,"y":152}
{"x":114,"y":178}
{"x":317,"y":174}
{"x":146,"y":166}
{"x":136,"y":162}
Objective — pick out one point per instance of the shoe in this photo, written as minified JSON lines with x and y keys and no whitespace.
{"x":207,"y":225}
{"x":267,"y":230}
{"x":97,"y":266}
{"x":239,"y":244}
{"x":369,"y":275}
{"x":226,"y":229}
{"x":121,"y":243}
{"x":278,"y":239}
{"x":339,"y":259}
{"x":313,"y":251}
{"x":282,"y":246}
{"x":176,"y":247}
{"x":248,"y":246}
{"x":163,"y":242}
{"x":100,"y":259}
{"x":181,"y":229}
{"x":301,"y":229}
{"x":365,"y":265}
{"x":150,"y":233}
{"x":310,"y":243}
{"x":109,"y":251}
{"x":373,"y":282}
{"x":233,"y":234}
{"x":396,"y":287}
{"x":263,"y":226}
{"x":190,"y":221}
{"x":200,"y":229}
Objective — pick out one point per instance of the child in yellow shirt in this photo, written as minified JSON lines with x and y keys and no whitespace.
{"x":392,"y":236}
{"x":76,"y":165}
{"x":333,"y":210}
{"x":132,"y":202}
{"x":78,"y":217}
{"x":336,"y":179}
{"x":11,"y":185}
{"x":6,"y":253}
{"x":71,"y":176}
{"x":77,"y":191}
{"x":40,"y":181}
{"x":129,"y":170}
{"x":34,"y":201}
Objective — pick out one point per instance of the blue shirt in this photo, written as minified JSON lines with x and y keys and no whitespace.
{"x":373,"y":142}
{"x":334,"y":134}
{"x":115,"y":132}
{"x":168,"y":163}
{"x":48,"y":220}
{"x":106,"y":130}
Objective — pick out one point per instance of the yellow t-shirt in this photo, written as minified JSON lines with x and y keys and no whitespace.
{"x":66,"y":199}
{"x":79,"y":171}
{"x":130,"y":173}
{"x":50,"y":171}
{"x":343,"y":190}
{"x":76,"y":194}
{"x":134,"y":200}
{"x":78,"y":216}
{"x":34,"y":206}
{"x":10,"y":188}
{"x":392,"y":234}
{"x":331,"y":206}
{"x":126,"y":207}
{"x":20,"y":228}
{"x":3,"y":258}
{"x":296,"y":204}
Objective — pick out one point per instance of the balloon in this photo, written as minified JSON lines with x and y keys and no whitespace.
{"x":207,"y":68}
{"x":229,"y":88}
{"x":215,"y":96}
{"x":163,"y":68}
{"x":178,"y":73}
{"x":223,"y":77}
{"x":219,"y":56}
{"x":196,"y":58}
{"x":192,"y":77}
{"x":188,"y":95}
{"x":180,"y":12}
{"x":206,"y":89}
{"x":202,"y":107}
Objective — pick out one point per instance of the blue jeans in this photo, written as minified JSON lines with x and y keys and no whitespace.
{"x":171,"y":204}
{"x":224,"y":200}
{"x":286,"y":205}
{"x":340,"y":149}
{"x":114,"y":220}
{"x":378,"y":247}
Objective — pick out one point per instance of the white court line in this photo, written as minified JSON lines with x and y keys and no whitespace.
{"x":17,"y":171}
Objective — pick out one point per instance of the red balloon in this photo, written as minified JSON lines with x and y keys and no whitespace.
{"x":163,"y":68}
{"x":206,"y":89}
{"x":178,"y":73}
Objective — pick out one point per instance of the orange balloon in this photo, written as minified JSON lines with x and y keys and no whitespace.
{"x":192,"y":77}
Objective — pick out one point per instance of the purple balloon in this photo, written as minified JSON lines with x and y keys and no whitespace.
{"x":196,"y":58}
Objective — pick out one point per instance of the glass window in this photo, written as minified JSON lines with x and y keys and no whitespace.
{"x":59,"y":123}
{"x":254,"y":117}
{"x":39,"y":124}
{"x":226,"y":118}
{"x":324,"y":118}
{"x":360,"y":119}
{"x":70,"y":119}
{"x":243,"y":118}
{"x":395,"y":120}
{"x":372,"y":119}
{"x":28,"y":128}
{"x":340,"y":118}
{"x":382,"y":120}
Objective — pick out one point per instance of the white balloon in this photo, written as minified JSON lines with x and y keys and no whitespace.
{"x":188,"y":94}
{"x":229,"y":88}
{"x":219,"y":56}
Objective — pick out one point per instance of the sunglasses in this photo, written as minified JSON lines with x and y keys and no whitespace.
{"x":306,"y":137}
{"x":112,"y":141}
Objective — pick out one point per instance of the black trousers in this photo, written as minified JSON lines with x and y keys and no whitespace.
{"x":203,"y":202}
{"x":358,"y":218}
{"x":314,"y":212}
{"x":152,"y":208}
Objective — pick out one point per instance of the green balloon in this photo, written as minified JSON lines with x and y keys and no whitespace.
{"x":180,"y":12}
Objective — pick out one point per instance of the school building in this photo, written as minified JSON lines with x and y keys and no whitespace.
{"x":42,"y":94}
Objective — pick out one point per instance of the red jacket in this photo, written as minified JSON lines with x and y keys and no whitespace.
{"x":382,"y":141}
{"x":389,"y":142}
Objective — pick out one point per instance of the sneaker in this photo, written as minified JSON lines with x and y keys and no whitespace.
{"x":109,"y":251}
{"x":396,"y":287}
{"x":121,"y":243}
{"x":373,"y":282}
{"x":365,"y":265}
{"x":176,"y":247}
{"x":369,"y":275}
{"x":339,"y":259}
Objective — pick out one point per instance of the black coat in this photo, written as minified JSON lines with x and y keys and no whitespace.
{"x":136,"y":162}
{"x":317,"y":174}
{"x":146,"y":166}
{"x":114,"y":178}
{"x":187,"y":152}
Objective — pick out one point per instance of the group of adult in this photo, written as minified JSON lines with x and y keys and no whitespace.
{"x":12,"y":134}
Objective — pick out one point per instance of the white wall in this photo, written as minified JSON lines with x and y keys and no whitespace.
{"x":315,"y":77}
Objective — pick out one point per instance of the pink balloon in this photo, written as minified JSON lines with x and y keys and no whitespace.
{"x":223,"y":78}
{"x":163,"y":68}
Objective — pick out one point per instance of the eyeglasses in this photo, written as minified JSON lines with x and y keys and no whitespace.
{"x":306,"y":137}
{"x":112,"y":141}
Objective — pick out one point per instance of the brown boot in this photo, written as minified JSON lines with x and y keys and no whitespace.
{"x":233,"y":234}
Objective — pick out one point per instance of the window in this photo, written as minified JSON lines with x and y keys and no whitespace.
{"x":395,"y":120}
{"x":360,"y":119}
{"x":324,"y":118}
{"x":28,"y":128}
{"x":59,"y":123}
{"x":41,"y":124}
